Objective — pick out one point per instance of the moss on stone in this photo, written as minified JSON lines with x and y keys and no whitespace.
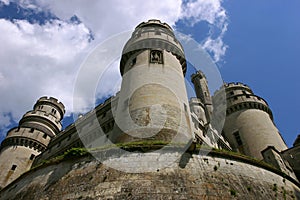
{"x":233,"y":192}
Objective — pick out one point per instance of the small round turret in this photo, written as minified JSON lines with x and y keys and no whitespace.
{"x":202,"y":92}
{"x":23,"y":143}
{"x":45,"y":116}
{"x":57,"y":108}
{"x":249,"y":125}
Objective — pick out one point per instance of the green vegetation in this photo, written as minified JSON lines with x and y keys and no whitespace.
{"x":249,"y":189}
{"x":69,"y":154}
{"x":233,"y":192}
{"x":151,"y":145}
{"x":75,"y":152}
{"x":139,"y":145}
{"x":284,"y":192}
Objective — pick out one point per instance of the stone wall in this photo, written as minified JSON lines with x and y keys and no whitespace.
{"x":192,"y":177}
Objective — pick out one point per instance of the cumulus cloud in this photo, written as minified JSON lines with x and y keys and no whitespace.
{"x":37,"y":60}
{"x":111,"y":17}
{"x":213,"y":13}
{"x":44,"y":59}
{"x":216,"y":46}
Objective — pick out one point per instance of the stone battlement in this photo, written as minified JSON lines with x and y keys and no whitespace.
{"x":152,"y":35}
{"x":51,"y":100}
{"x":198,"y":73}
{"x":237,"y":85}
{"x":154,"y":22}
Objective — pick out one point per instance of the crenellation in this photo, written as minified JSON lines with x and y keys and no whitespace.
{"x":51,"y":102}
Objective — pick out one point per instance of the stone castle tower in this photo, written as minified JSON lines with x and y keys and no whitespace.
{"x":202,"y":92}
{"x":249,"y":126}
{"x":152,"y":105}
{"x":23,"y":143}
{"x":153,"y":98}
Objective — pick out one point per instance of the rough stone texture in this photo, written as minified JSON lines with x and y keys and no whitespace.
{"x":256,"y":129}
{"x":152,"y":96}
{"x":251,"y":117}
{"x":192,"y":177}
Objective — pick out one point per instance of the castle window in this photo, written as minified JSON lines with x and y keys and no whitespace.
{"x":31,"y":130}
{"x":185,"y":107}
{"x":133,"y":62}
{"x":45,"y":136}
{"x":13,"y":167}
{"x":78,"y":144}
{"x":157,"y":32}
{"x":53,"y":111}
{"x":32,"y":157}
{"x":17,"y":129}
{"x":104,"y":129}
{"x":238,"y":138}
{"x":156,"y":57}
{"x":232,"y":93}
{"x":69,"y":137}
{"x":235,"y":98}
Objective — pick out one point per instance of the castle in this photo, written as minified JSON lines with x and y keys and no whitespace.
{"x":152,"y":106}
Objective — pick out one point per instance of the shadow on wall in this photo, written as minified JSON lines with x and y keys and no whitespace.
{"x":297,"y":193}
{"x":184,"y":160}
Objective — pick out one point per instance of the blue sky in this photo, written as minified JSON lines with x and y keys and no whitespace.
{"x":44,"y":42}
{"x":264,"y":52}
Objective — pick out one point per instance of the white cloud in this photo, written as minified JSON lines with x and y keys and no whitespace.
{"x":216,"y":46}
{"x":37,"y":60}
{"x":111,"y":17}
{"x":6,"y":2}
{"x":213,"y":13}
{"x":43,"y":60}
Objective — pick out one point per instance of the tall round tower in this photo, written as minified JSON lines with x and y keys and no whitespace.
{"x":249,"y":126}
{"x":153,"y":103}
{"x":202,"y":92}
{"x":23,"y":143}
